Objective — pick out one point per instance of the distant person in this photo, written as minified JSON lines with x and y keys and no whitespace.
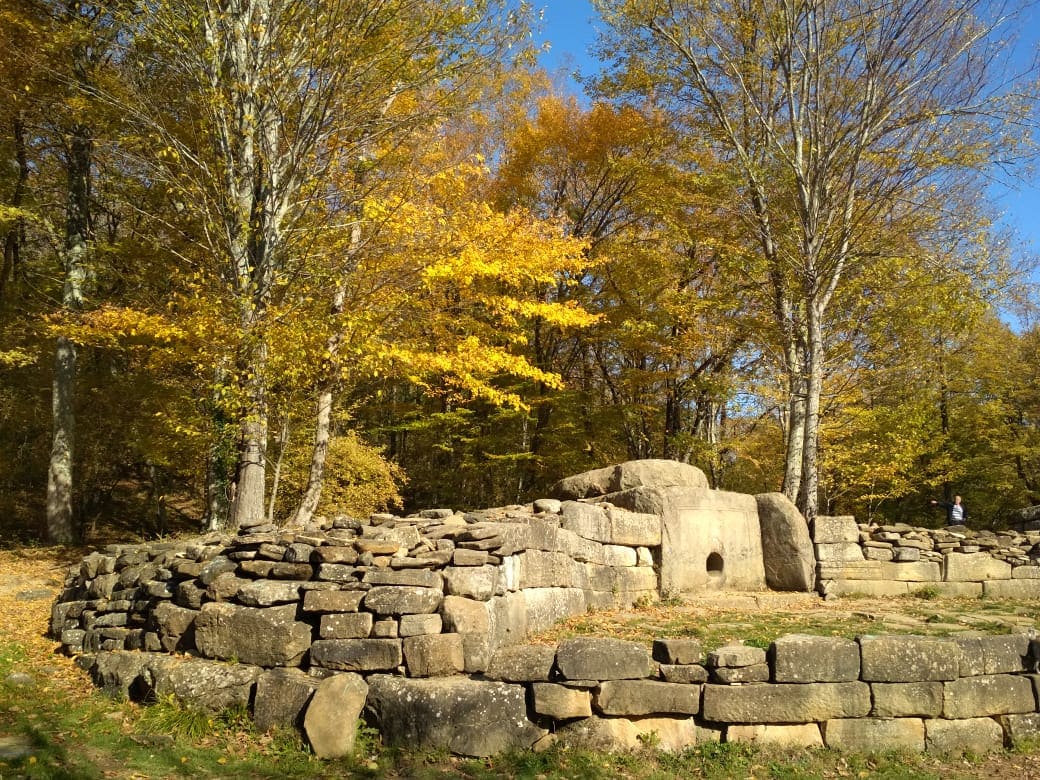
{"x":956,"y":513}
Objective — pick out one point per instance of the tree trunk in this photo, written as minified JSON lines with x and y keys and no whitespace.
{"x":60,"y":519}
{"x":15,"y":234}
{"x":808,"y":494}
{"x":319,"y":453}
{"x":251,"y":474}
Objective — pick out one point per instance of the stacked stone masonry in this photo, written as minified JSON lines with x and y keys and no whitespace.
{"x":897,"y":560}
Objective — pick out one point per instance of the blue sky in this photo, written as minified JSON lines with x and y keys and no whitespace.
{"x":570,"y":27}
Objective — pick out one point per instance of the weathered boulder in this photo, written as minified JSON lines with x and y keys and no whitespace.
{"x":625,"y":476}
{"x":787,"y":550}
{"x":266,"y":637}
{"x":332,"y":715}
{"x":584,"y":485}
{"x":800,"y":658}
{"x":208,"y":685}
{"x":281,"y":697}
{"x":593,"y":658}
{"x":464,"y":716}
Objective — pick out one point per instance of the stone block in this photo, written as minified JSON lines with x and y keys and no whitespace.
{"x":907,"y":700}
{"x":415,"y":578}
{"x":906,"y":555}
{"x":631,"y":698}
{"x":463,"y":615}
{"x":335,"y":554}
{"x":266,"y":637}
{"x":388,"y":628}
{"x":547,"y":606}
{"x":837,"y":553}
{"x":992,"y":694}
{"x":434,"y":655}
{"x":978,"y":735}
{"x":878,"y":553}
{"x":619,"y":555}
{"x":677,"y":651}
{"x":588,"y":521}
{"x":475,"y":582}
{"x":403,"y":600}
{"x":337,"y":572}
{"x":922,"y":571}
{"x":593,"y":658}
{"x":268,"y":593}
{"x":655,"y":473}
{"x":463,"y":716}
{"x":741,"y":674}
{"x":332,"y":600}
{"x":787,"y":549}
{"x":1021,"y":589}
{"x":560,"y":702}
{"x":419,"y":625}
{"x":999,"y":654}
{"x":784,"y":736}
{"x":874,"y":735}
{"x":357,"y":655}
{"x":611,"y":735}
{"x":1025,"y":726}
{"x":834,"y":529}
{"x":785,"y":703}
{"x":541,"y":569}
{"x":684,"y":673}
{"x":851,"y":570}
{"x":281,"y":698}
{"x":730,"y":656}
{"x":584,"y":485}
{"x":346,"y":625}
{"x":908,"y":659}
{"x":634,"y":529}
{"x":522,"y":663}
{"x":332,"y":715}
{"x":208,"y":685}
{"x":963,"y":567}
{"x":800,"y":658}
{"x":1029,"y":572}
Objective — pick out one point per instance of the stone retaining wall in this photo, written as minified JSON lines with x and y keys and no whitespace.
{"x":431,"y":594}
{"x":896,"y":560}
{"x":871,"y":693}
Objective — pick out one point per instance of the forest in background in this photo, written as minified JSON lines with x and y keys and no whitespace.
{"x":271,"y":259}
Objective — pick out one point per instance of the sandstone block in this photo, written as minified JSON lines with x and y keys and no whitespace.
{"x":838,"y":553}
{"x":685,"y":673}
{"x":419,"y":625}
{"x":346,"y":625}
{"x":175,"y":626}
{"x":908,"y":659}
{"x":635,"y":529}
{"x":872,"y":735}
{"x":959,"y":567}
{"x":907,"y":700}
{"x":677,"y":651}
{"x":592,"y":658}
{"x":647,"y":697}
{"x":433,"y":655}
{"x":799,"y":658}
{"x":332,"y":600}
{"x":611,"y":735}
{"x":787,"y":549}
{"x":1021,"y":727}
{"x":463,"y":615}
{"x":357,"y":655}
{"x":332,"y":715}
{"x":736,"y":656}
{"x":1028,"y":572}
{"x":522,"y":663}
{"x":208,"y":685}
{"x":335,"y":554}
{"x":560,"y":702}
{"x":281,"y":698}
{"x":266,"y":637}
{"x":547,"y":606}
{"x":416,"y":578}
{"x":267,"y":593}
{"x":783,"y":703}
{"x":1021,"y":589}
{"x":403,"y":600}
{"x":922,"y":571}
{"x":741,"y":674}
{"x":805,"y":735}
{"x":475,"y":582}
{"x":834,"y":529}
{"x":464,"y":716}
{"x":996,"y":694}
{"x":979,"y":735}
{"x":619,"y":555}
{"x":588,"y":521}
{"x":337,"y":572}
{"x":1000,"y":654}
{"x":589,"y":483}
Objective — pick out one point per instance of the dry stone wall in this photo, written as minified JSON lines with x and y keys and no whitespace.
{"x":896,"y":560}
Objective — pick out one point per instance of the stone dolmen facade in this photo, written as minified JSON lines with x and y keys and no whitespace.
{"x":420,"y":625}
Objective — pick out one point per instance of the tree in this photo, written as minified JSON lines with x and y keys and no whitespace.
{"x":840,"y":116}
{"x":278,"y":95}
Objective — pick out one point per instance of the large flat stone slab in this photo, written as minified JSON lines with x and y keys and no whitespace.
{"x":978,"y":735}
{"x":801,"y":658}
{"x":994,"y":694}
{"x":961,"y":567}
{"x":785,"y":703}
{"x":595,"y":658}
{"x":874,"y":735}
{"x":908,"y":659}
